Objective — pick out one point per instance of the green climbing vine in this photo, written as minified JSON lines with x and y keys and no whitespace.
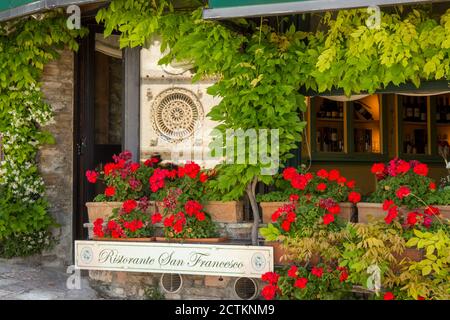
{"x":261,"y":69}
{"x":26,"y":46}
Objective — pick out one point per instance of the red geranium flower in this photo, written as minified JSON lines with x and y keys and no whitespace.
{"x":432,"y":186}
{"x":392,"y":214}
{"x":110,"y":191}
{"x":270,"y":277}
{"x":289,"y":173}
{"x":269,"y":292}
{"x":321,"y":187}
{"x":336,"y":209}
{"x":387,"y":204}
{"x":322,"y":173}
{"x":151,"y":162}
{"x":411,"y":219}
{"x":318,"y":272}
{"x":292,"y":272}
{"x":402,"y":166}
{"x":388,"y":296}
{"x":334,"y":175}
{"x":290,"y":217}
{"x":203,"y":177}
{"x":328,"y":218}
{"x":191,"y":169}
{"x":421,"y":169}
{"x":108,"y":168}
{"x":168,"y":221}
{"x":286,"y":225}
{"x":192,"y":207}
{"x":402,"y":192}
{"x":301,"y":283}
{"x":351,"y":184}
{"x":134,"y":166}
{"x":293,"y":197}
{"x":343,"y":276}
{"x":342,"y":180}
{"x":309,"y":176}
{"x":156,"y":218}
{"x":299,"y":181}
{"x":378,"y":168}
{"x":354,"y":197}
{"x":432,"y":211}
{"x":200,"y":216}
{"x":91,"y":176}
{"x":129,"y":205}
{"x":178,"y":226}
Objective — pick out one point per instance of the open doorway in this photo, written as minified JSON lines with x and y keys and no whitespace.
{"x":98,"y":133}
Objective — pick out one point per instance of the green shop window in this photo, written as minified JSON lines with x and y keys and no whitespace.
{"x":347,"y":130}
{"x":423,"y":124}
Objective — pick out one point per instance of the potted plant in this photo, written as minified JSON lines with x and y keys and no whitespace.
{"x":130,"y":222}
{"x":321,"y":282}
{"x":183,"y":214}
{"x":321,"y":185}
{"x":305,"y":230}
{"x":405,"y":183}
{"x":123,"y":179}
{"x":220,"y":210}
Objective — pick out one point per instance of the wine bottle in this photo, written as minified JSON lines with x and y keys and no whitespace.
{"x":318,"y":141}
{"x":447,"y":109}
{"x":423,"y":113}
{"x":416,"y":110}
{"x":334,"y":139}
{"x":334,"y":111}
{"x":341,"y":110}
{"x":409,"y":110}
{"x":438,"y":109}
{"x":362,"y":112}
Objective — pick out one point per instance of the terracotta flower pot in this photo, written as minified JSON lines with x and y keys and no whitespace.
{"x":268,"y":208}
{"x":346,"y":210}
{"x":149,"y":239}
{"x":368,"y":211}
{"x":192,"y":240}
{"x":375,"y":210}
{"x":279,"y":252}
{"x":444,"y":210}
{"x":229,"y":211}
{"x":102,"y":210}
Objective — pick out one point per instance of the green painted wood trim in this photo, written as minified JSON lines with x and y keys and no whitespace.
{"x":9,"y":4}
{"x":214,"y":4}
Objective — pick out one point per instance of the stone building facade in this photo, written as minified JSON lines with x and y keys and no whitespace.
{"x":56,"y":160}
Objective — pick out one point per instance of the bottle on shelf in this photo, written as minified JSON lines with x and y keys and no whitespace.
{"x":334,"y":140}
{"x":361,"y":112}
{"x":423,"y":113}
{"x":438,"y":109}
{"x":334,"y":111}
{"x":407,"y":148}
{"x":409,"y":110}
{"x":341,"y":110}
{"x":416,"y":116}
{"x":326,"y":141}
{"x":368,"y":141}
{"x":447,"y":108}
{"x":318,"y":141}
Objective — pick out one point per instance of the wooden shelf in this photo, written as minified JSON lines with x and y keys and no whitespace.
{"x":330,"y":119}
{"x":413,"y":123}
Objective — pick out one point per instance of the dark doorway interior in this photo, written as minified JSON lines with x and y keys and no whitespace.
{"x":98,"y":133}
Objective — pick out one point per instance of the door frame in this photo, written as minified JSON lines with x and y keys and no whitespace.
{"x":84,"y":118}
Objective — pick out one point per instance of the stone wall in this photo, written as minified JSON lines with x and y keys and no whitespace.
{"x":56,"y":161}
{"x":131,"y":285}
